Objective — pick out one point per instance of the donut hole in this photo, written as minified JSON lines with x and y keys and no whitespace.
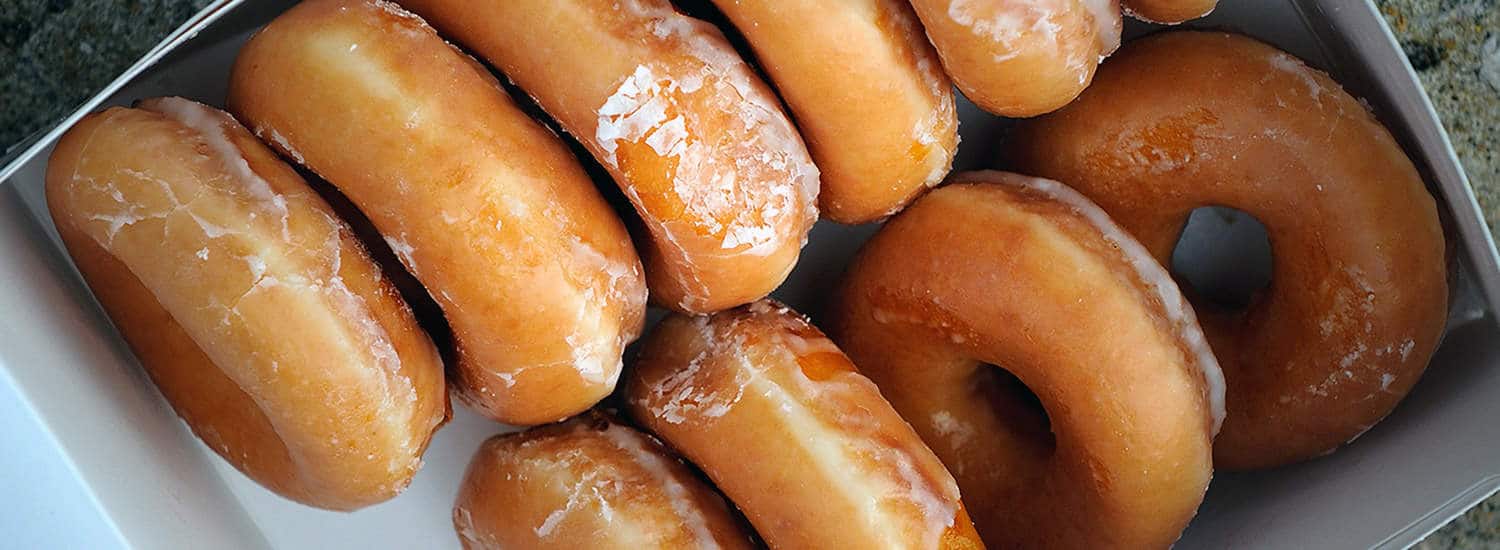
{"x":1223,"y":257}
{"x":1016,"y":404}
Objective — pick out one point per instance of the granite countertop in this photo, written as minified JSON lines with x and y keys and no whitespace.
{"x":54,"y":54}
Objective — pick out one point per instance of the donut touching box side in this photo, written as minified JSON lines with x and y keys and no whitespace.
{"x":1358,"y":295}
{"x":723,"y":184}
{"x":1000,"y":269}
{"x":253,"y":308}
{"x":487,"y":208}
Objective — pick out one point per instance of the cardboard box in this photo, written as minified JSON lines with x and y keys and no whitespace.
{"x":155,"y":486}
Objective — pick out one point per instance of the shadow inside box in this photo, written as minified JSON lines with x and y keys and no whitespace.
{"x":1242,"y":507}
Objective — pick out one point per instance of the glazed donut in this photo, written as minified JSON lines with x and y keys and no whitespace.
{"x":722,"y":182}
{"x":879,"y":138}
{"x":777,"y":416}
{"x":1358,"y":296}
{"x":491,"y":212}
{"x":1021,"y":58}
{"x":1168,"y":12}
{"x":1000,"y":269}
{"x":252,"y":307}
{"x":592,"y":483}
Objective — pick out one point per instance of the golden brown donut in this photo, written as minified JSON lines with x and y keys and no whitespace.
{"x":1000,"y":269}
{"x":590,"y":483}
{"x":722,"y":181}
{"x":1020,"y":58}
{"x":252,"y":307}
{"x":1168,"y":11}
{"x":776,"y":415}
{"x":488,"y":209}
{"x":879,"y":138}
{"x":1358,"y":295}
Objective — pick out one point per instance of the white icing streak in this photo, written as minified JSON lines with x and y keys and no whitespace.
{"x":888,"y":477}
{"x":1176,"y":308}
{"x":349,"y":309}
{"x":678,"y":495}
{"x":1016,"y":26}
{"x":1295,"y":67}
{"x":1105,"y":15}
{"x":743,"y":183}
{"x":463,"y":522}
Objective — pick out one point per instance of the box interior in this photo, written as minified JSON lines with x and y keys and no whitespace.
{"x":1438,"y":452}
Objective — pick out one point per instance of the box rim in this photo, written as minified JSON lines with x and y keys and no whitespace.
{"x":1454,"y":184}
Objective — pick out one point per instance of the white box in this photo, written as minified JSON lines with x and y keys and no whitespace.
{"x":154,"y":486}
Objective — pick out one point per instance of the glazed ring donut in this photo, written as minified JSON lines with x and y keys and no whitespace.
{"x":1000,"y":269}
{"x":879,"y":138}
{"x":723,"y":183}
{"x":591,"y":483}
{"x":1168,"y":12}
{"x":252,"y":307}
{"x":777,"y":416}
{"x":1021,"y":58}
{"x":488,"y":209}
{"x":1358,"y":295}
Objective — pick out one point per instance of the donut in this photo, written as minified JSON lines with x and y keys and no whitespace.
{"x":1358,"y":292}
{"x":534,"y":272}
{"x":997,"y":269}
{"x":785,"y":426}
{"x":879,"y":138}
{"x":723,"y":184}
{"x":1168,"y":12}
{"x":251,"y":306}
{"x":1021,"y":58}
{"x":589,"y":482}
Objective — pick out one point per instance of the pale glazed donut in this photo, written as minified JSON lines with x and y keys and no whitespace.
{"x":1000,"y":269}
{"x":488,"y":209}
{"x":879,"y":138}
{"x":1358,"y":296}
{"x":722,"y":181}
{"x":1168,"y":11}
{"x":1021,"y":58}
{"x":590,"y":483}
{"x":252,"y":307}
{"x":776,"y":415}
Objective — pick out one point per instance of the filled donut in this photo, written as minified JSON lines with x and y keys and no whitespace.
{"x":1021,"y":58}
{"x":591,"y":483}
{"x":723,"y":184}
{"x":1358,"y":295}
{"x":487,"y":208}
{"x":253,"y":308}
{"x":803,"y":444}
{"x":996,"y":283}
{"x":878,"y":138}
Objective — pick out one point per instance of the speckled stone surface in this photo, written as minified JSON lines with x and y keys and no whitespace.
{"x":54,"y":54}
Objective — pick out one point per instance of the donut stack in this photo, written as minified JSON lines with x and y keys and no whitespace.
{"x":1007,"y":361}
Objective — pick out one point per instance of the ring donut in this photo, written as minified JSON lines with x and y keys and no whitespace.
{"x":1358,"y":296}
{"x":722,"y":182}
{"x":1000,"y":269}
{"x":252,"y":307}
{"x":489,"y":210}
{"x":1021,"y":58}
{"x":880,"y":138}
{"x":591,"y":483}
{"x":777,"y":416}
